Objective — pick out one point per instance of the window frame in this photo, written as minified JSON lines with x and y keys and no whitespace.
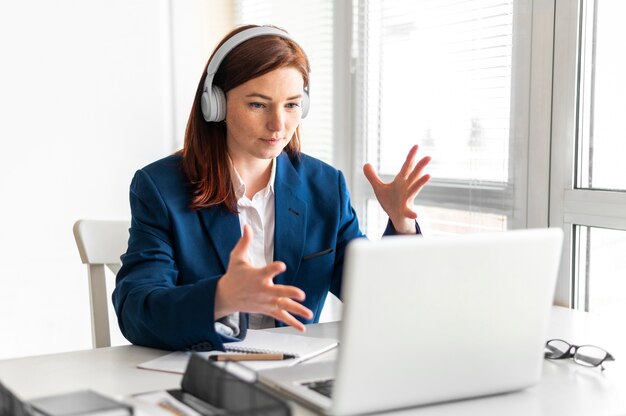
{"x":571,"y":206}
{"x":531,"y":80}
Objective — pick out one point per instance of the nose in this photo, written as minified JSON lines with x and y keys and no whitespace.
{"x":276,"y":120}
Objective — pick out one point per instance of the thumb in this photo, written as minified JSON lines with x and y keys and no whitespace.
{"x":370,"y":174}
{"x":240,"y":251}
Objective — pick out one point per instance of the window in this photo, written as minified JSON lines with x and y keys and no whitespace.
{"x":587,"y":184}
{"x":600,"y":269}
{"x":439,"y":73}
{"x":602,"y":105}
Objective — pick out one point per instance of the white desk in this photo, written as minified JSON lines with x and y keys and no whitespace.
{"x":565,"y":388}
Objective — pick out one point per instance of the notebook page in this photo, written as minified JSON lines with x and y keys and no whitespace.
{"x":301,"y":346}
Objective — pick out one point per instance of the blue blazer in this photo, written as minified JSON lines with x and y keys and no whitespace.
{"x":165,"y":290}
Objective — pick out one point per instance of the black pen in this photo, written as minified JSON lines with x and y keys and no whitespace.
{"x":252,"y":357}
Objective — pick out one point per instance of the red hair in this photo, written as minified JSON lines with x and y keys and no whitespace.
{"x":204,"y":154}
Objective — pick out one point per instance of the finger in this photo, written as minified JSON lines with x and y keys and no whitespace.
{"x":372,"y":177}
{"x":295,"y":308}
{"x":288,"y":292}
{"x":415,"y":188}
{"x":273,"y":269}
{"x":408,"y":163}
{"x":417,"y":171}
{"x":288,"y":319}
{"x":240,"y":251}
{"x":409,"y":213}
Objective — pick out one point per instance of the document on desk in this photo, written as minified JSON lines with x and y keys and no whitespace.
{"x":303,"y":348}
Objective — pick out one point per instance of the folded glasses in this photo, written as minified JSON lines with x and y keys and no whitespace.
{"x":587,"y":355}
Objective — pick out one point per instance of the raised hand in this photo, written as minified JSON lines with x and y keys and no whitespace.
{"x":245,"y":288}
{"x":396,"y":197}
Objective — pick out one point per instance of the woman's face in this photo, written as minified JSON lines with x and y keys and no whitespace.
{"x":263,"y":113}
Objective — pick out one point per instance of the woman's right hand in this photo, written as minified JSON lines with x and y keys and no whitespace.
{"x":245,"y":288}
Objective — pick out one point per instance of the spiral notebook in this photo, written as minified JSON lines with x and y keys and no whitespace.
{"x":257,"y":341}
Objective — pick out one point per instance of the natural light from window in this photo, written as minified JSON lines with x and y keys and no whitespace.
{"x":604,"y":107}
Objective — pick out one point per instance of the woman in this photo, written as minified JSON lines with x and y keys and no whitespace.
{"x":240,"y":229}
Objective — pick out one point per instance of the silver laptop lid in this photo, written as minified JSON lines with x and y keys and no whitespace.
{"x":443,"y":318}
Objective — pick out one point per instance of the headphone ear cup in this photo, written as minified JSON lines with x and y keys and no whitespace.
{"x":219,"y":104}
{"x":306,"y":103}
{"x":205,"y":101}
{"x":213,"y":104}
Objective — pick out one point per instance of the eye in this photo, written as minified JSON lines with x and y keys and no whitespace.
{"x":256,"y":105}
{"x":292,"y":105}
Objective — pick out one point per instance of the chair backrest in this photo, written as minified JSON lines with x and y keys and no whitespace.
{"x":100,"y":244}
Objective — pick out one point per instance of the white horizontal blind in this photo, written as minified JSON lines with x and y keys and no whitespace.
{"x":438,"y":73}
{"x":445,"y":81}
{"x":311,"y":24}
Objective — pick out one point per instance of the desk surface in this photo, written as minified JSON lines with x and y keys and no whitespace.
{"x":565,"y":388}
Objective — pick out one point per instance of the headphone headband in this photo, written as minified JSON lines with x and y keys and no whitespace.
{"x":213,"y":98}
{"x":238,"y":39}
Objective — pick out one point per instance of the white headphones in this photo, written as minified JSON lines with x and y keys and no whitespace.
{"x":213,"y":98}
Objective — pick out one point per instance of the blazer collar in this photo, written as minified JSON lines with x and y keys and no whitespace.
{"x":291,"y":216}
{"x":290,"y":219}
{"x":223,"y":229}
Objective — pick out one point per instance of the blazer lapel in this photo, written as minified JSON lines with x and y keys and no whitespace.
{"x":290,"y":219}
{"x":223,"y":228}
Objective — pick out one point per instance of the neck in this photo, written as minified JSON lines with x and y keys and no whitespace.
{"x":255,"y":174}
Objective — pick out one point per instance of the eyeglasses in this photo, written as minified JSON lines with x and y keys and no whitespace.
{"x":587,"y":355}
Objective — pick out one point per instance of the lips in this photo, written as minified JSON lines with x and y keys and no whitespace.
{"x":272,"y":140}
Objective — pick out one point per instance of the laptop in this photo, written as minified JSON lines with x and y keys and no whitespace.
{"x":436,"y":319}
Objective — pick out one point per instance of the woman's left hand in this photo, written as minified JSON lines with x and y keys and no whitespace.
{"x":396,"y":197}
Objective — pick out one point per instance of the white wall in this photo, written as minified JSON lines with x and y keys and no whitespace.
{"x":197,"y":27}
{"x":85,"y":100}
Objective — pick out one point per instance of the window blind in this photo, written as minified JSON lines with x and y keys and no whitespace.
{"x":438,"y":73}
{"x":441,"y":77}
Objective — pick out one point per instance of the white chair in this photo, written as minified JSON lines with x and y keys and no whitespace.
{"x":100,"y":244}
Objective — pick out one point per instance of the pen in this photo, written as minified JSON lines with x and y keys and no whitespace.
{"x":251,"y":357}
{"x":170,"y":407}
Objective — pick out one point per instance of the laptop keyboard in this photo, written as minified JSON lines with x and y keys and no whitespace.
{"x":324,"y":387}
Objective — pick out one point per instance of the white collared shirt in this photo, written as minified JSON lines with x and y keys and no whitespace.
{"x":259,"y":214}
